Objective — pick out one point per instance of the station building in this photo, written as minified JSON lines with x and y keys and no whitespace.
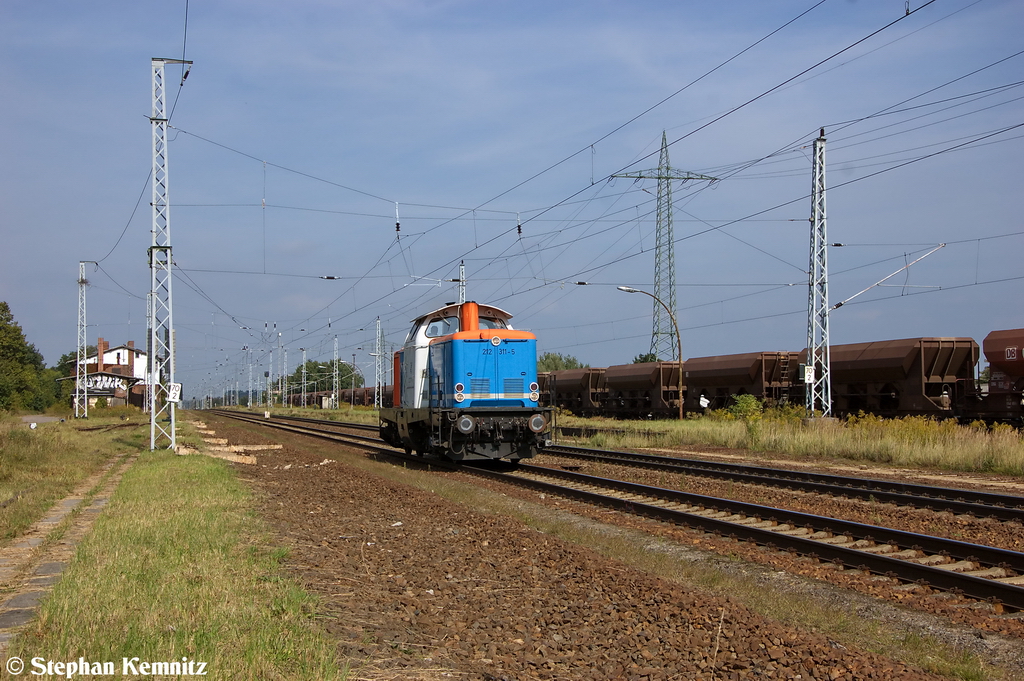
{"x":117,"y":374}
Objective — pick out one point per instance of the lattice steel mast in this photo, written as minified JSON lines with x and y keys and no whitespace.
{"x":818,"y":379}
{"x":81,"y":372}
{"x":162,"y":390}
{"x":664,"y":344}
{"x":462,"y":282}
{"x":381,"y":363}
{"x":334,"y":376}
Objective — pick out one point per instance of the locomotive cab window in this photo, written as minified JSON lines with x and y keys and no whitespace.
{"x":442,"y":326}
{"x":489,"y":323}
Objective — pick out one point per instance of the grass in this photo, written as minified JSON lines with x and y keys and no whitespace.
{"x":178,"y":565}
{"x":39,"y":467}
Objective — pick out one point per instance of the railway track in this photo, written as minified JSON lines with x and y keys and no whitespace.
{"x":320,"y":422}
{"x":977,"y":571}
{"x":981,"y":572}
{"x":1002,"y":507}
{"x":282,"y":424}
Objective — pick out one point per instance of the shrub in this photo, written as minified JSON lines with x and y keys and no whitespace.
{"x":746,"y":407}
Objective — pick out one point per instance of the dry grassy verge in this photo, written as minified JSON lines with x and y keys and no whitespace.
{"x":178,"y":566}
{"x":912,"y":441}
{"x":39,"y":467}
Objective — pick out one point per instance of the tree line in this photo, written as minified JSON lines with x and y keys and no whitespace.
{"x":26,"y":384}
{"x":553,"y":361}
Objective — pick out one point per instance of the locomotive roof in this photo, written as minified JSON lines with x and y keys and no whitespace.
{"x":452,"y":309}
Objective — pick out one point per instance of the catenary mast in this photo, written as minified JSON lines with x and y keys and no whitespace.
{"x":81,"y":371}
{"x":163,"y":392}
{"x":818,"y":372}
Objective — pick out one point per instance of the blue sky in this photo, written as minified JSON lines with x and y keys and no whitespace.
{"x":301,"y":125}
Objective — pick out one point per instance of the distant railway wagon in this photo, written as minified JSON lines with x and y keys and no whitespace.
{"x":1004,"y":400}
{"x":928,"y":376}
{"x":644,"y":390}
{"x":316,"y":400}
{"x":912,"y":376}
{"x":712,"y":382}
{"x":347,"y":397}
{"x":581,"y":391}
{"x":361,"y":397}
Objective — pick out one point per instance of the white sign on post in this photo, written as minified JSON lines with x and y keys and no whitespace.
{"x":174,"y":392}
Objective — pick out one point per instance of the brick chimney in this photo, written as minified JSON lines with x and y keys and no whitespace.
{"x":101,"y":349}
{"x":131,"y":358}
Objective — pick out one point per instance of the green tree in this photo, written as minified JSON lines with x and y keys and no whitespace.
{"x":320,"y":377}
{"x":552,"y":361}
{"x":66,"y":364}
{"x":25,"y":383}
{"x":645,"y":358}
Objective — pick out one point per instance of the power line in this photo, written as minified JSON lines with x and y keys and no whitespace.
{"x":284,"y":168}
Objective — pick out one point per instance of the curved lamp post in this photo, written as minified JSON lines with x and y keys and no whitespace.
{"x":679,"y":339}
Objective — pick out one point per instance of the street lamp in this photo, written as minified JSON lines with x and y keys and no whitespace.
{"x":352,"y":376}
{"x":303,"y":376}
{"x":679,"y":339}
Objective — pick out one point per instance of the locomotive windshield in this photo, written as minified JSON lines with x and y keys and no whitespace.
{"x":488,"y":323}
{"x":442,"y":326}
{"x":436,"y":327}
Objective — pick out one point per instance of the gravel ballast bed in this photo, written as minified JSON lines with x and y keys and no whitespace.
{"x":415,"y":586}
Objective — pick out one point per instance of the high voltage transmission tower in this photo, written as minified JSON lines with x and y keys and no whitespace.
{"x":818,"y":371}
{"x":664,"y":343}
{"x":164,"y":393}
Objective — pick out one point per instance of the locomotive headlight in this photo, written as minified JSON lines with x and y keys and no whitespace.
{"x":459,"y":397}
{"x":466,"y":424}
{"x":495,"y":341}
{"x":460,"y":388}
{"x":535,"y":396}
{"x":538,"y":423}
{"x":534,"y":387}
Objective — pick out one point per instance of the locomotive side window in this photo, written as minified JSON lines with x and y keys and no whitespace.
{"x":442,"y":326}
{"x":412,"y":334}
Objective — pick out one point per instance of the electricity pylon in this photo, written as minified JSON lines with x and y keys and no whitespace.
{"x":664,"y":343}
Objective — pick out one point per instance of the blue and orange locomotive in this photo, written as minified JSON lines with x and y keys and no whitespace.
{"x":466,"y":388}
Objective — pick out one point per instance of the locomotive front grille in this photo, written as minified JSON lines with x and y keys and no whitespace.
{"x":480,"y":386}
{"x":513,"y":387}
